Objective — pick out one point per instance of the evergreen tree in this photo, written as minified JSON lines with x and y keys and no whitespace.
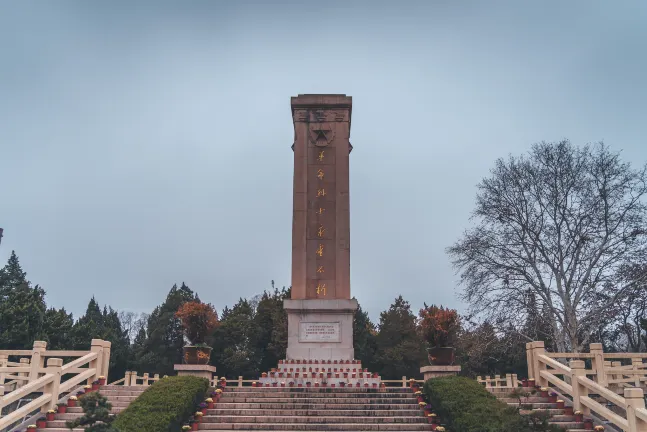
{"x":96,"y":414}
{"x":270,"y":341}
{"x":400,"y":350}
{"x":364,"y":339}
{"x":234,"y":341}
{"x":22,"y":308}
{"x":58,"y":326}
{"x":163,"y":347}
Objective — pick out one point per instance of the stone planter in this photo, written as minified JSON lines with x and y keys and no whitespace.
{"x":441,"y":356}
{"x":196,"y":355}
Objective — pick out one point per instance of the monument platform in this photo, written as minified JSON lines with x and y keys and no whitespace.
{"x":320,"y":373}
{"x":320,"y":330}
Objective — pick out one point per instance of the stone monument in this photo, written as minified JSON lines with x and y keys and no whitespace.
{"x":320,"y":310}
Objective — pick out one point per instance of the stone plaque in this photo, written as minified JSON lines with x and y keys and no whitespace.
{"x":319,"y":332}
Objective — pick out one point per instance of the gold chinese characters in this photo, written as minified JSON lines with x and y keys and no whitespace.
{"x":321,"y":192}
{"x":320,"y":158}
{"x":321,"y":289}
{"x":320,"y":250}
{"x":321,"y":231}
{"x":320,"y":174}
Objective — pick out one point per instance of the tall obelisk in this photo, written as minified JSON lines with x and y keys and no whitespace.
{"x":320,"y":311}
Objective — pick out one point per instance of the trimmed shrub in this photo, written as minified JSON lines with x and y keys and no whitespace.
{"x":164,"y":406}
{"x":465,"y":406}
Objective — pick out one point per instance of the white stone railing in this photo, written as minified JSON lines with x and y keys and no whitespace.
{"x":132,"y":379}
{"x":508,"y":381}
{"x":627,"y":412}
{"x":39,"y":372}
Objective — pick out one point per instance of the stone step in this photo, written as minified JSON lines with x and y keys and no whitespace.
{"x":264,"y":390}
{"x":401,"y":427}
{"x":314,"y":395}
{"x":309,"y":400}
{"x":316,"y":412}
{"x":112,"y":392}
{"x":524,"y":400}
{"x":309,"y":420}
{"x":314,"y":406}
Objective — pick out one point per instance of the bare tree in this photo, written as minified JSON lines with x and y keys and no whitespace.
{"x":559,"y":222}
{"x":132,"y":322}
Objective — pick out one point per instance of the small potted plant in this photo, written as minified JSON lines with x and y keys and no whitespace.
{"x":61,"y":408}
{"x":51,"y":415}
{"x":427,"y":409}
{"x":588,"y":424}
{"x":308,"y":384}
{"x":342,"y":384}
{"x":41,"y":422}
{"x":568,"y":410}
{"x":543,"y":392}
{"x":95,"y":385}
{"x":203,"y":408}
{"x":433,"y":418}
{"x":223,"y":382}
{"x":579,"y":416}
{"x":291,"y":384}
{"x":199,"y":320}
{"x":552,"y":397}
{"x":87,"y":389}
{"x":32,"y":427}
{"x":254,"y":384}
{"x":186,"y":427}
{"x":274,"y":384}
{"x":71,"y":401}
{"x":194,"y":424}
{"x":282,"y":383}
{"x":102,"y":380}
{"x":439,"y":429}
{"x":316,"y":384}
{"x":599,"y":428}
{"x":439,"y":328}
{"x":560,"y":404}
{"x":198,"y":416}
{"x":209,"y":402}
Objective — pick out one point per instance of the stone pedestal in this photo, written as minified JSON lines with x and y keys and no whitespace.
{"x":320,"y":329}
{"x":201,"y":371}
{"x":439,"y":371}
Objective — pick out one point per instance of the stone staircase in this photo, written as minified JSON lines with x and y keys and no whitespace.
{"x":119,"y":396}
{"x":316,"y":409}
{"x":538,"y":404}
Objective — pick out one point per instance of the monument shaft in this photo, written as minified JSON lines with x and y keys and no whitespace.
{"x":321,"y":220}
{"x":320,"y":311}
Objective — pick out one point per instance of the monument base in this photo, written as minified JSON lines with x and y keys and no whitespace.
{"x":200,"y":371}
{"x":320,"y":329}
{"x":439,"y":371}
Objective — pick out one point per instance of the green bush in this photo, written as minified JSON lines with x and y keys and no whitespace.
{"x":164,"y":406}
{"x":465,"y":406}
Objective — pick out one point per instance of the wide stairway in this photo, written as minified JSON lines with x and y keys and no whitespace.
{"x":537,"y":404}
{"x":119,"y":396}
{"x":315,"y":409}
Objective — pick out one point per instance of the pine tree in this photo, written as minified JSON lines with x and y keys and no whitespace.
{"x":22,"y":308}
{"x":400,"y":350}
{"x":165,"y":337}
{"x":364,"y":338}
{"x":96,"y":414}
{"x":234,"y":347}
{"x":270,"y":341}
{"x":58,"y":326}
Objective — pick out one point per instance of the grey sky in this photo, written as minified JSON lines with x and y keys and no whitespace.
{"x":143,"y":145}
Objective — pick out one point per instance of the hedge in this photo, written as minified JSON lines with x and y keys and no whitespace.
{"x":465,"y":406}
{"x":164,"y":406}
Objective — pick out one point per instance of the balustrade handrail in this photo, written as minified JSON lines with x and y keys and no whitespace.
{"x":544,"y":369}
{"x":31,"y":376}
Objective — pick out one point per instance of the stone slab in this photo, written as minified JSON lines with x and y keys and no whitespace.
{"x":434,"y":371}
{"x":200,"y":371}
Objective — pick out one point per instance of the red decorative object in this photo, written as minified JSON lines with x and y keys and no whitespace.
{"x":274,"y":384}
{"x":210,"y":405}
{"x":332,"y":385}
{"x":588,"y":424}
{"x":366,"y":385}
{"x":568,"y":410}
{"x":50,"y":416}
{"x":102,"y":381}
{"x":95,"y":387}
{"x":299,"y":385}
{"x":357,"y":385}
{"x":316,"y":384}
{"x":41,"y":424}
{"x":62,"y":409}
{"x":579,"y":418}
{"x":374,"y":385}
{"x":194,"y":426}
{"x":71,"y":403}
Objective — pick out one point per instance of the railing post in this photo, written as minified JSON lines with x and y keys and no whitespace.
{"x":508,"y":380}
{"x":538,"y":350}
{"x":598,"y":363}
{"x":530,"y":360}
{"x":127,"y":379}
{"x":54,"y":367}
{"x":24,"y":362}
{"x":240,"y":381}
{"x":634,"y":399}
{"x":133,"y":378}
{"x":106,"y":359}
{"x":404,"y":381}
{"x":515,"y":381}
{"x":497,"y":378}
{"x":635,"y":366}
{"x":1,"y":390}
{"x":96,"y":364}
{"x":4,"y":359}
{"x":577,"y":370}
{"x":156,"y":378}
{"x":37,"y":359}
{"x":145,"y":379}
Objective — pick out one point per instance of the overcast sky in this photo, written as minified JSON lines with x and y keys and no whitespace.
{"x":148,"y":143}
